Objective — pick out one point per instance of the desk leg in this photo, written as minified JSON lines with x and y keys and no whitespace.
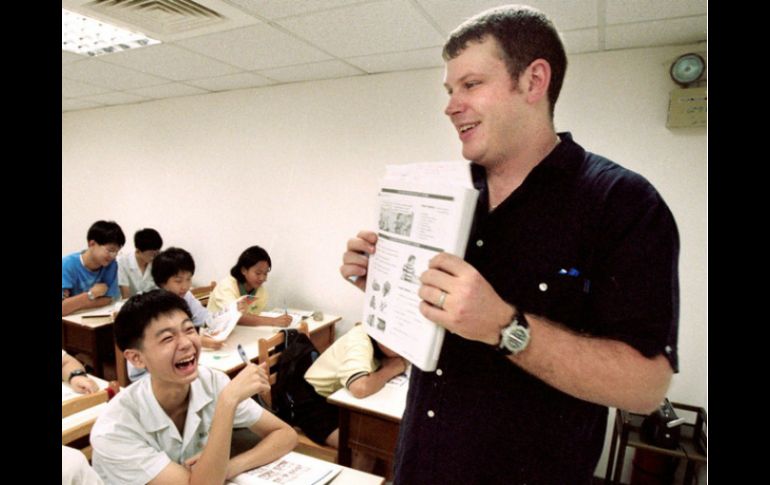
{"x":344,"y":453}
{"x":621,"y":456}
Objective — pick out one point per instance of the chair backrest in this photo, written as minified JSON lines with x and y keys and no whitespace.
{"x":85,"y":401}
{"x":81,"y":426}
{"x":120,"y":368}
{"x":269,"y":351}
{"x":202,"y":292}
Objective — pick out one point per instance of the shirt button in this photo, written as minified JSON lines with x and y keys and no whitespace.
{"x":668,"y":349}
{"x":431,"y":413}
{"x":479,"y":243}
{"x":439,"y":372}
{"x":543,"y":286}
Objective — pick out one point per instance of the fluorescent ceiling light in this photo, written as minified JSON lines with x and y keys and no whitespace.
{"x":88,"y":36}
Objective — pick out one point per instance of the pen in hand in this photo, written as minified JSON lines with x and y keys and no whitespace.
{"x":242,"y":353}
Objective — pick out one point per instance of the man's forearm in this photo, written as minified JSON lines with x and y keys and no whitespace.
{"x":600,"y":370}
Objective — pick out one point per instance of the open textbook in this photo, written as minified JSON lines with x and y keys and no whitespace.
{"x":424,"y":209}
{"x":291,"y":469}
{"x":220,"y":325}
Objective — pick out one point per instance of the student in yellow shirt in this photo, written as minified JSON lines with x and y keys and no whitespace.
{"x":245,"y":284}
{"x":358,"y":363}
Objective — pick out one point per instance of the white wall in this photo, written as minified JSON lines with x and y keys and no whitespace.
{"x":293,"y":168}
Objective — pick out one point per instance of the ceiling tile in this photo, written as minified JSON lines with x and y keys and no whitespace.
{"x":371,"y":28}
{"x":254,"y":48}
{"x":170,"y":90}
{"x":171,"y":62}
{"x":400,"y":61}
{"x":75,"y":104}
{"x":77,"y":89}
{"x":67,"y":57}
{"x":233,"y":81}
{"x":94,"y":71}
{"x":569,"y":15}
{"x":659,"y":32}
{"x":623,"y":11}
{"x":115,"y":98}
{"x":273,"y":9}
{"x":577,"y":41}
{"x":306,"y":72}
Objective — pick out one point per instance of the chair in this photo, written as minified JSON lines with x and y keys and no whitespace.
{"x":269,"y":351}
{"x":82,"y":427}
{"x":121,"y":370}
{"x":202,"y":292}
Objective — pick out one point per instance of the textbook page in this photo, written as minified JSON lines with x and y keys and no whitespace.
{"x":220,"y":325}
{"x":291,"y":469}
{"x":424,"y":209}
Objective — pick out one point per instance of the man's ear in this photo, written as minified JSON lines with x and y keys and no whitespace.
{"x":92,"y":243}
{"x":538,"y":79}
{"x":135,"y":357}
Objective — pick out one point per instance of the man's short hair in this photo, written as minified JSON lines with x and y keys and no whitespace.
{"x":523,"y":33}
{"x":147,"y":240}
{"x":137,"y":313}
{"x":106,"y":232}
{"x":247,"y":259}
{"x":169,"y":262}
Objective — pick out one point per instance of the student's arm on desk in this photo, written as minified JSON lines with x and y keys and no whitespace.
{"x":214,"y":465}
{"x":369,"y":384}
{"x":257,"y":320}
{"x":80,"y":384}
{"x":81,"y":302}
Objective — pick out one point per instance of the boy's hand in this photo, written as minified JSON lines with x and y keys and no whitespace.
{"x":282,"y":321}
{"x":99,"y":289}
{"x":83,"y":385}
{"x":249,"y":381}
{"x":210,"y":343}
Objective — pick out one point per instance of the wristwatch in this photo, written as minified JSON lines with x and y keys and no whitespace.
{"x":514,"y":338}
{"x":91,"y":295}
{"x":75,"y":373}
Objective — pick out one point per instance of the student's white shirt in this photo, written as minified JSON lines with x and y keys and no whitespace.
{"x":75,"y":469}
{"x":134,"y":439}
{"x":130,"y":275}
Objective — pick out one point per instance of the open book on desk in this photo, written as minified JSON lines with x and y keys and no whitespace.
{"x":291,"y":469}
{"x":424,"y":209}
{"x":220,"y":325}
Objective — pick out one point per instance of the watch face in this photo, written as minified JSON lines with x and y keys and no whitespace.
{"x":515,"y":338}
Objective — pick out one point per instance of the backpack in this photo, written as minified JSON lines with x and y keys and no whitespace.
{"x":291,"y":391}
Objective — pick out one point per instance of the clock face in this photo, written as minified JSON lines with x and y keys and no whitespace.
{"x":687,"y":68}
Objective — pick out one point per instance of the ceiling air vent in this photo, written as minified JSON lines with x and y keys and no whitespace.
{"x":165,"y":17}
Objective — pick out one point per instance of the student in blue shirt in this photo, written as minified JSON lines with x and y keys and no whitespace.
{"x":89,"y":278}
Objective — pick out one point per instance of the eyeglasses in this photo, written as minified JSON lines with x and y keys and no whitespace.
{"x":111,"y":251}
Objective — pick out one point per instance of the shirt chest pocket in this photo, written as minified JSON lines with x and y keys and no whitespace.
{"x":560,"y":294}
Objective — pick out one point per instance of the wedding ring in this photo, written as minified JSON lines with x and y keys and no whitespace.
{"x":441,"y":300}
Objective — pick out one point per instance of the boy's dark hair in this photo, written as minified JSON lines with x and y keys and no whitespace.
{"x":106,"y":232}
{"x":137,"y":313}
{"x":523,"y":33}
{"x":247,"y":259}
{"x":169,"y":262}
{"x":147,"y":240}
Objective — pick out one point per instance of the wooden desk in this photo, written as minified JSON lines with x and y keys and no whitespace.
{"x":92,"y":336}
{"x":227,"y":359}
{"x":371,"y":424}
{"x":78,"y":425}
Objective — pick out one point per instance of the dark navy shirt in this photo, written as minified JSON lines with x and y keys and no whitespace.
{"x":583,"y":242}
